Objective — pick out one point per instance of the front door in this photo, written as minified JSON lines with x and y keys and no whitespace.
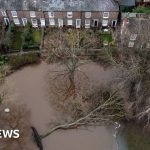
{"x":24,"y":21}
{"x":6,"y":20}
{"x":96,"y":23}
{"x":60,"y":22}
{"x":78,"y":23}
{"x":114,"y":23}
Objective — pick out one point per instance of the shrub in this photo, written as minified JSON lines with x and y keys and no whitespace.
{"x":31,"y":38}
{"x":142,"y":9}
{"x":16,"y":62}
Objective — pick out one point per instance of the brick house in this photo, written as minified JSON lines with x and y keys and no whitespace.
{"x":59,"y":13}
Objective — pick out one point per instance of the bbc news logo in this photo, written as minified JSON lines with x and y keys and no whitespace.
{"x":11,"y":134}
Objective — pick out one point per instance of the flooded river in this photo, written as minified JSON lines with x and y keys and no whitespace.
{"x":30,"y":87}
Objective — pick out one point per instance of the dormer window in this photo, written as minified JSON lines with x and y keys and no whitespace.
{"x":51,"y":14}
{"x":14,"y":14}
{"x":105,"y":14}
{"x":32,"y":14}
{"x":69,"y":14}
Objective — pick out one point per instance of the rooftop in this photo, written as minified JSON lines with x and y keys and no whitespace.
{"x":60,"y":5}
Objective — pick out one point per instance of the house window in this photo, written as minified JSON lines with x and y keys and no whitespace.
{"x":42,"y":22}
{"x":105,"y":14}
{"x":78,"y":23}
{"x":34,"y":22}
{"x":133,"y":37}
{"x":60,"y":22}
{"x":32,"y":14}
{"x":3,"y":13}
{"x":69,"y":22}
{"x":69,"y":14}
{"x":87,"y":14}
{"x":52,"y":22}
{"x":131,"y":44}
{"x":51,"y":14}
{"x":24,"y":21}
{"x":14,"y":14}
{"x":104,"y":23}
{"x":16,"y":21}
{"x":87,"y":23}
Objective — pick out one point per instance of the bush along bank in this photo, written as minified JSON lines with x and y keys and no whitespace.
{"x":19,"y":61}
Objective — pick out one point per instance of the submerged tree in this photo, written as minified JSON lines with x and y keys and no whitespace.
{"x":65,"y":49}
{"x":104,"y":106}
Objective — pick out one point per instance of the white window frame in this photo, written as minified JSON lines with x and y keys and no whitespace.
{"x":52,"y":22}
{"x":42,"y":20}
{"x":60,"y":22}
{"x":24,"y":21}
{"x":32,"y":14}
{"x":104,"y":24}
{"x":51,"y":14}
{"x":69,"y":14}
{"x":87,"y":14}
{"x":87,"y":23}
{"x":78,"y":25}
{"x":69,"y":22}
{"x":34,"y":22}
{"x":3,"y":12}
{"x":14,"y":13}
{"x":16,"y":21}
{"x":105,"y":15}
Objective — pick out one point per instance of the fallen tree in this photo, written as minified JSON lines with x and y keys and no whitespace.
{"x":108,"y":101}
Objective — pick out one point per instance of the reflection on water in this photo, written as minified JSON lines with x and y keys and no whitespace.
{"x":30,"y":86}
{"x":93,"y":138}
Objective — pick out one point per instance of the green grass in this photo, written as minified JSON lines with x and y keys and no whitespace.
{"x":106,"y":37}
{"x":142,"y":9}
{"x":17,"y":40}
{"x":37,"y":36}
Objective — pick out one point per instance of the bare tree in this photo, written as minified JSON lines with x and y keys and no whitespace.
{"x":67,"y":82}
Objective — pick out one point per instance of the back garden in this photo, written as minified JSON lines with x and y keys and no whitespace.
{"x":20,"y":39}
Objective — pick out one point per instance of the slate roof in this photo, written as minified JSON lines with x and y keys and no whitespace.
{"x":60,"y":5}
{"x":128,"y":2}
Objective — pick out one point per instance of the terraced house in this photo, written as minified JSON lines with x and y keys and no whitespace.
{"x":60,"y":13}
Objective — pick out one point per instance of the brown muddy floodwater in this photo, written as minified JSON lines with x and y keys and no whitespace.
{"x":30,"y":87}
